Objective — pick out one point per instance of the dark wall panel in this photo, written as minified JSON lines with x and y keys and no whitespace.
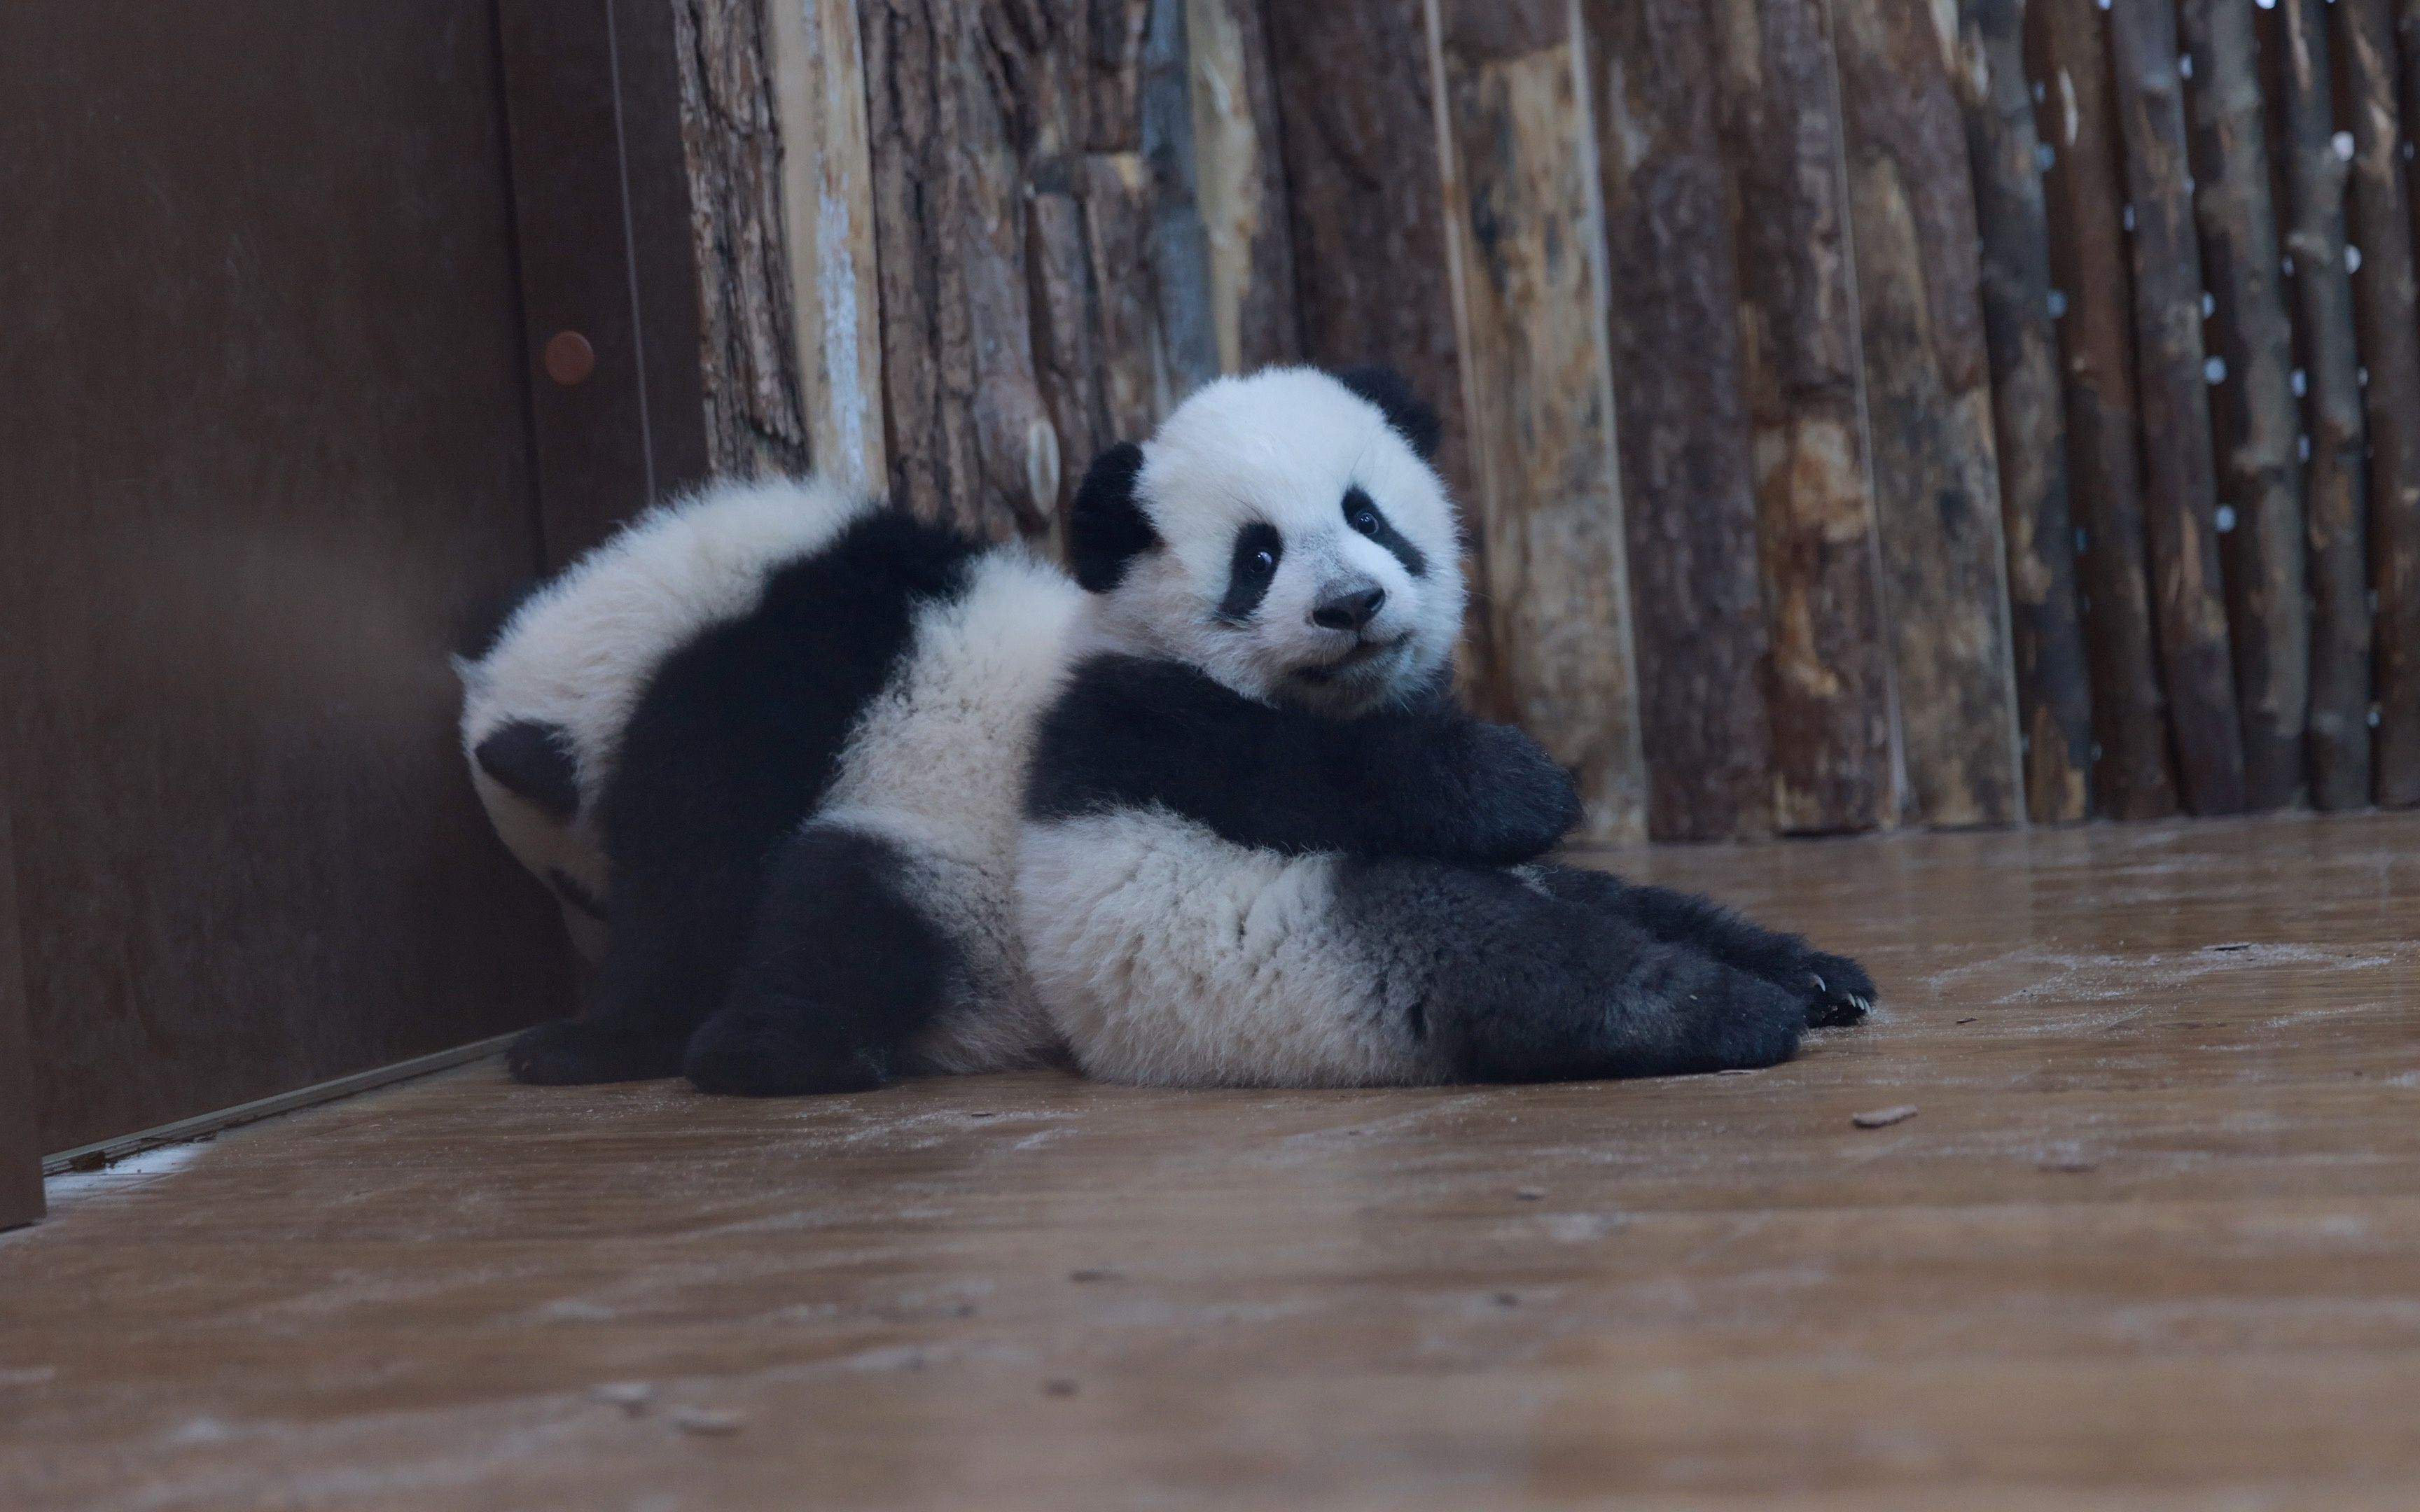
{"x":20,"y":1156}
{"x":266,"y":443}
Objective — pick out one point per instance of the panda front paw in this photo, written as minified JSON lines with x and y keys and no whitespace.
{"x":775,"y":1047}
{"x":1523,"y":804}
{"x":1839,"y":993}
{"x":578,"y":1053}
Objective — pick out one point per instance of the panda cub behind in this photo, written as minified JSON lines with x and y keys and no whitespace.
{"x":1264,"y":847}
{"x":767,"y":746}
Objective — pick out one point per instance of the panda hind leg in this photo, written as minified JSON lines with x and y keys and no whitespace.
{"x":844,"y":970}
{"x":1836,"y":990}
{"x":1507,"y":980}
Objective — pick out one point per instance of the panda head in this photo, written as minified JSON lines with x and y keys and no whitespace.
{"x":1284,"y":532}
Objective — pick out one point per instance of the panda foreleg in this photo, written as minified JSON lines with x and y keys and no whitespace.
{"x":1507,"y":980}
{"x":665,"y":964}
{"x":1836,"y":989}
{"x":843,"y":969}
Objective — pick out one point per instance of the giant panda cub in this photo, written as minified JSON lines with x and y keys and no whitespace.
{"x":766,"y":746}
{"x":1264,"y":847}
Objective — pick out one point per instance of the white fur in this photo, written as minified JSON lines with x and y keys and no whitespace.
{"x":935,"y":766}
{"x":1169,"y":956}
{"x":579,"y":652}
{"x":1282,"y":446}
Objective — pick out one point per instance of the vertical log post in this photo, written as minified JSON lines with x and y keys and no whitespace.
{"x":1180,"y":244}
{"x":1688,"y":502}
{"x":965,"y":413}
{"x":755,"y":416}
{"x":1240,"y":185}
{"x":1828,"y":695}
{"x":828,"y":210}
{"x":2084,"y":196}
{"x":2254,"y":414}
{"x":2053,"y":694}
{"x":2390,"y":349}
{"x":1517,"y":144}
{"x":1929,"y":407}
{"x":2335,"y":512}
{"x":2180,"y":489}
{"x":1359,"y":133}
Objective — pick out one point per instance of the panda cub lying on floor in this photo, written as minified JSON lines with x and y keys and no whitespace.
{"x":770,"y":748}
{"x":1263,"y":845}
{"x":766,"y":745}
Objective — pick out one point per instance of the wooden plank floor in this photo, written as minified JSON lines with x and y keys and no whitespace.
{"x":2152,"y":1240}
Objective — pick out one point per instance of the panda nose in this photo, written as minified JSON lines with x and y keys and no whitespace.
{"x":1348,"y":611}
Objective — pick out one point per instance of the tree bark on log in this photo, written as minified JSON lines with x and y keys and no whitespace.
{"x":945,"y":219}
{"x":1688,"y":500}
{"x":2084,"y":195}
{"x":1828,"y":691}
{"x":2390,"y":349}
{"x":828,"y":205}
{"x":2336,"y":510}
{"x":1555,"y":589}
{"x":2181,"y":490}
{"x":1240,"y":182}
{"x":2254,"y":416}
{"x":1180,"y":244}
{"x":1929,"y":408}
{"x":1364,"y":195}
{"x":755,"y":416}
{"x":2054,"y":692}
{"x":1048,"y":283}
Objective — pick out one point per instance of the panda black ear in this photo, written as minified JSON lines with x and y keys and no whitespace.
{"x":1108,"y":528}
{"x":534,"y":760}
{"x":1406,"y":412}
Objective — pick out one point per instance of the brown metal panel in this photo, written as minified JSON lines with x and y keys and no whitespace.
{"x":661,"y":246}
{"x":583,"y":112}
{"x":267,"y":464}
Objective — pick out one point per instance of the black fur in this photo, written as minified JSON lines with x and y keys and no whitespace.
{"x":1405,"y":411}
{"x":1106,"y":528}
{"x":535,"y":761}
{"x":843,"y":971}
{"x":1362,"y":513}
{"x":1513,"y":982}
{"x":567,"y":887}
{"x":1248,"y":581}
{"x":1423,"y":781}
{"x":733,"y":743}
{"x":1833,"y":989}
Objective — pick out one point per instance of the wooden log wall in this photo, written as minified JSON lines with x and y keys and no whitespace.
{"x":2254,"y":420}
{"x":1828,"y":690}
{"x":1929,"y":406}
{"x":1517,"y":145}
{"x":2180,"y":480}
{"x":2054,"y":692}
{"x":2334,"y":508}
{"x":2067,"y":51}
{"x":1689,"y":499}
{"x":1864,"y":412}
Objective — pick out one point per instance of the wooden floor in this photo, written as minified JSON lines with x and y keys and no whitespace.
{"x":2152,"y":1238}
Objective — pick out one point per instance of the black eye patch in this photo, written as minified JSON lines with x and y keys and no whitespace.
{"x":1250,"y":570}
{"x":1363,"y":515}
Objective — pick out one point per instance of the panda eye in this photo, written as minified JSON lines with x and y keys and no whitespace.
{"x":1364,"y":522}
{"x":1263,"y":561}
